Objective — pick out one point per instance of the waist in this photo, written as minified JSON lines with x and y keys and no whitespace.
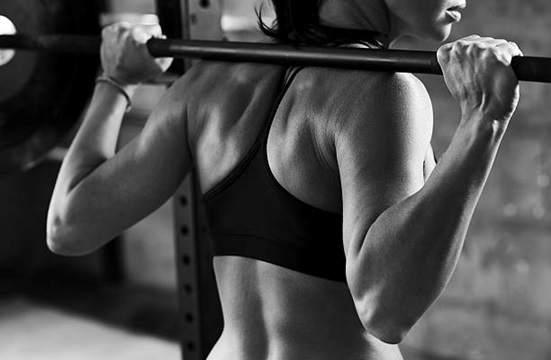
{"x":275,"y":313}
{"x":233,"y":347}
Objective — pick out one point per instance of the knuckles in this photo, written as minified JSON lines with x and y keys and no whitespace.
{"x":135,"y":33}
{"x":443,"y":53}
{"x":475,"y":49}
{"x":475,"y":66}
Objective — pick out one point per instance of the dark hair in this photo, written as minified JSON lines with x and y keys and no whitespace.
{"x":297,"y":22}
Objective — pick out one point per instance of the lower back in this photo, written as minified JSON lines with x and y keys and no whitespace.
{"x":273,"y":313}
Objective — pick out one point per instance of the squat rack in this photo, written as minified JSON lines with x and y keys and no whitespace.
{"x":199,"y":312}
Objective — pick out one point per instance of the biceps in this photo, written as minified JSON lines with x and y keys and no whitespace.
{"x":377,"y":174}
{"x":367,"y":195}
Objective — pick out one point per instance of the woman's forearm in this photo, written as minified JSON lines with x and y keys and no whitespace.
{"x":96,"y":140}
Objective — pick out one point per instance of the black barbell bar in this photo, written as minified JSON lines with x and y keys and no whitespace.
{"x":527,"y":68}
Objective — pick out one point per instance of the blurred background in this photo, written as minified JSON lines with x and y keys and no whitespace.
{"x":121,"y":302}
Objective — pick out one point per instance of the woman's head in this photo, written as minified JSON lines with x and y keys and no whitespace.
{"x":299,"y":20}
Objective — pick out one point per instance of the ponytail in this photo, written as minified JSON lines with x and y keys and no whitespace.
{"x":297,"y":21}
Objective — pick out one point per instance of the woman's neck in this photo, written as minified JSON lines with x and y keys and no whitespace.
{"x":353,"y":14}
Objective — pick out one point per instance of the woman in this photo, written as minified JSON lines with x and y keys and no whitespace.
{"x":331,"y":239}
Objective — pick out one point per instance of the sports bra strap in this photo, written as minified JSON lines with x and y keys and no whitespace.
{"x":284,"y":85}
{"x":290,"y":75}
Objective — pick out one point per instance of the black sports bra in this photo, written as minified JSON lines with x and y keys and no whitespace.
{"x":251,"y":215}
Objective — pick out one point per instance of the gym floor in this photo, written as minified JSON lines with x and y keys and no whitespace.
{"x":83,"y":319}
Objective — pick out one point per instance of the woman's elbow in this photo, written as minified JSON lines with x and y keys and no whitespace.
{"x":60,"y":241}
{"x":387,"y":333}
{"x":64,"y":248}
{"x":378,"y":317}
{"x":388,"y":328}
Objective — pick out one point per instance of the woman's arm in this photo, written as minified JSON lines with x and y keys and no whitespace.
{"x":402,"y":236}
{"x":99,"y":192}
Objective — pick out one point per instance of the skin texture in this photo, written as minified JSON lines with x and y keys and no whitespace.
{"x":350,"y":142}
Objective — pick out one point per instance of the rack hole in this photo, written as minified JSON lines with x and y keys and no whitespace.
{"x":188,"y":289}
{"x":189,"y":317}
{"x":183,"y":201}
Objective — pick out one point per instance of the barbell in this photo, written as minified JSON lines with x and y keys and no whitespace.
{"x":527,"y":68}
{"x":46,"y":85}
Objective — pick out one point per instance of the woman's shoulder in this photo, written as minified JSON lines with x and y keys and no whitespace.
{"x":354,"y":95}
{"x":358,"y":83}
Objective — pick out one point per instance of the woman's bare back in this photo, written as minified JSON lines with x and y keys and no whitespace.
{"x":271,"y":312}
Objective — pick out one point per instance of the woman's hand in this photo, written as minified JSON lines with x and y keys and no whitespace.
{"x":479,"y":75}
{"x":124,"y":53}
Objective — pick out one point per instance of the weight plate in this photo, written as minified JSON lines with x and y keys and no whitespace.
{"x":6,"y":28}
{"x":42,"y":95}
